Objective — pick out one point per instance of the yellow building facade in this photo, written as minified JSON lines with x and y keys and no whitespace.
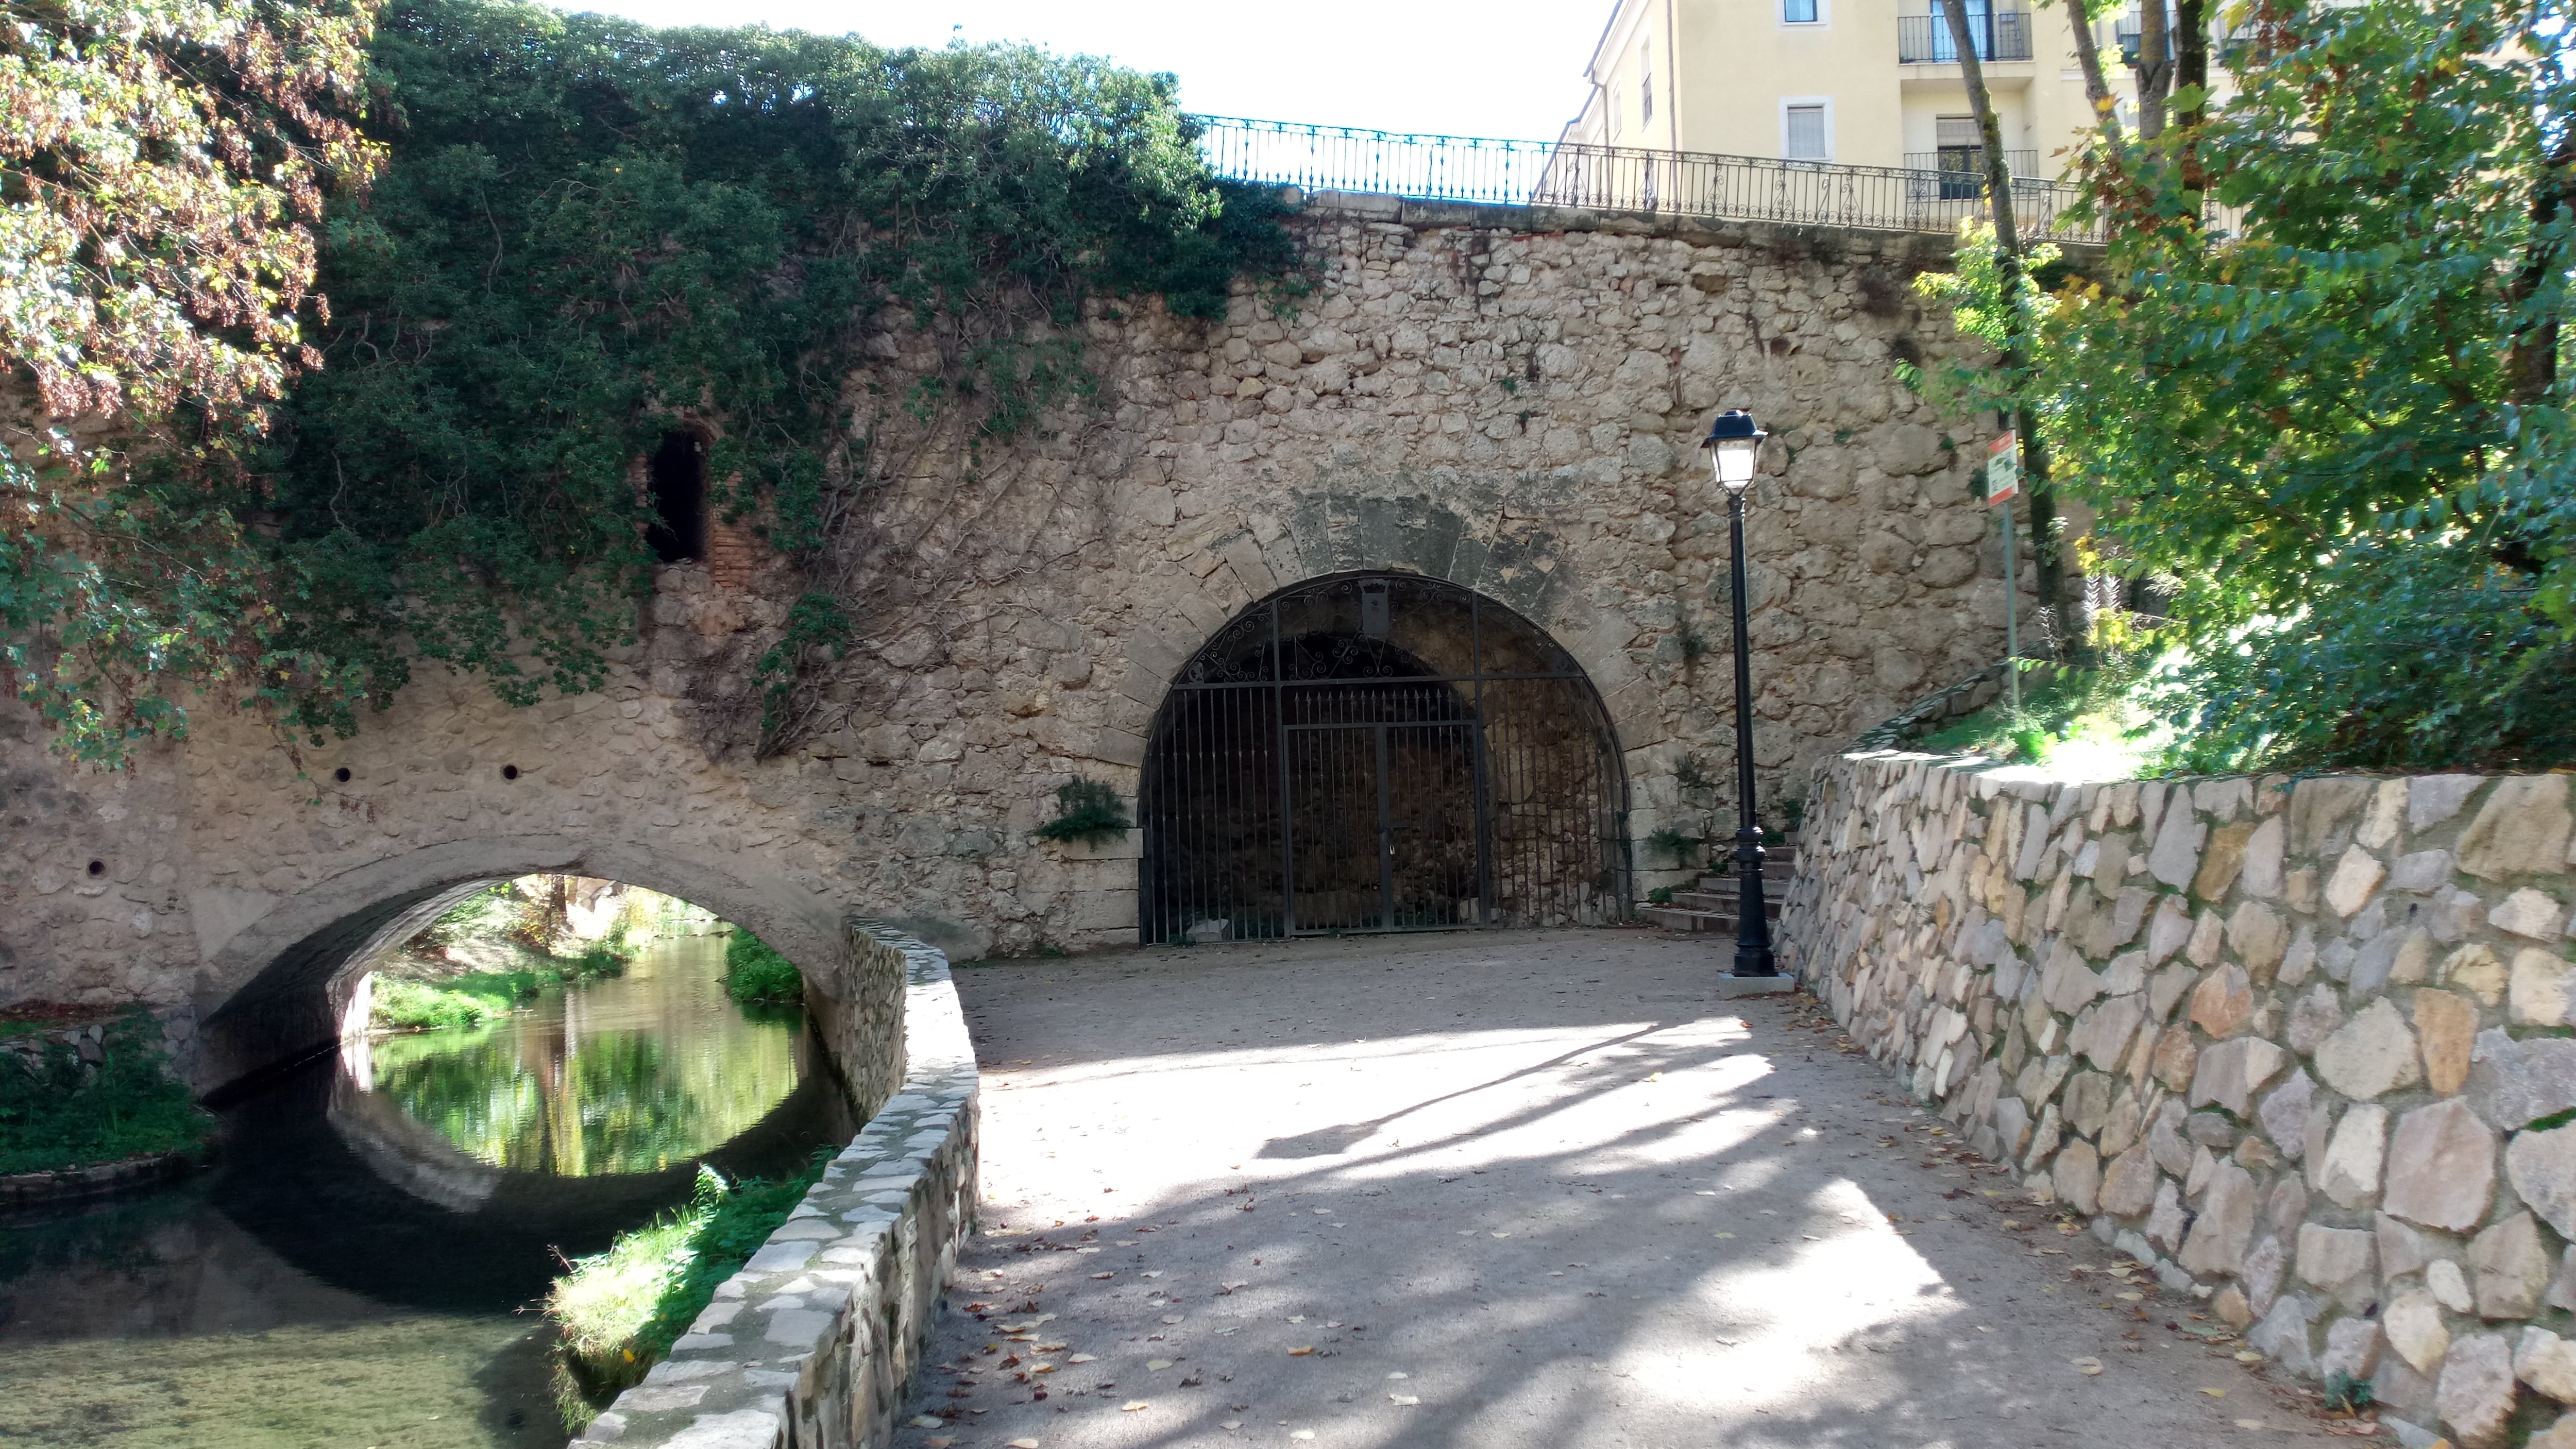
{"x":1858,"y":82}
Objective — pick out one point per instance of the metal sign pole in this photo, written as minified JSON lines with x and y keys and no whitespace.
{"x":2003,"y":483}
{"x":2012,"y":612}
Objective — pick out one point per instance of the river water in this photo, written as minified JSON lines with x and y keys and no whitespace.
{"x":361,"y":1266}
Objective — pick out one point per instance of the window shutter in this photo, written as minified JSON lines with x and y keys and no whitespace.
{"x":1956,"y":131}
{"x":1806,"y":133}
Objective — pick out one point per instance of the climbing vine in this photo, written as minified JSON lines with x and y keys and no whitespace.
{"x":590,"y":233}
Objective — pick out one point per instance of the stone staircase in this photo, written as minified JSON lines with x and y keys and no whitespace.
{"x":1710,"y":906}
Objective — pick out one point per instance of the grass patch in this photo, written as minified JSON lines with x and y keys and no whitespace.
{"x":405,"y":1003}
{"x":755,"y":972}
{"x":60,"y":1111}
{"x":2084,"y":723}
{"x":617,"y":1312}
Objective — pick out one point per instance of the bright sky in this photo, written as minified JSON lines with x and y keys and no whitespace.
{"x":1510,"y":68}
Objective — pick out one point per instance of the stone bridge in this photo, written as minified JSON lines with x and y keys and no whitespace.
{"x":1504,"y":399}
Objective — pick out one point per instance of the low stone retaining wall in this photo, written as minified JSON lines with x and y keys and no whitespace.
{"x":811,"y":1345}
{"x":2303,"y":1047}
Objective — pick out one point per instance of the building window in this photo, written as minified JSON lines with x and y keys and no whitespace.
{"x":678,"y":533}
{"x":1960,"y":155}
{"x":1805,"y":131}
{"x":1645,"y":84}
{"x":1801,"y":12}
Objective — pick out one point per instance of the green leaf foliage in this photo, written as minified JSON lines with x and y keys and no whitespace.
{"x":2333,"y":421}
{"x":590,"y":234}
{"x":755,"y":972}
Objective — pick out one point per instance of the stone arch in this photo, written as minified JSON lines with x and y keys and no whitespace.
{"x":1506,"y":552}
{"x":282,"y":985}
{"x":1370,"y":751}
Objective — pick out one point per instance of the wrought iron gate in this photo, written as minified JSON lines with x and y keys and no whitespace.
{"x":1378,"y":752}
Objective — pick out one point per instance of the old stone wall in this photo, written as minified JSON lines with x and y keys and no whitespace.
{"x":2303,"y":1046}
{"x":1505,"y":398}
{"x":811,"y":1344}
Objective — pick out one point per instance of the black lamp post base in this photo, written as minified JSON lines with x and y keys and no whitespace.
{"x":1733,"y":985}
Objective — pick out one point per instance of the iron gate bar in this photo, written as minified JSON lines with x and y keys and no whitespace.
{"x":1522,"y":819}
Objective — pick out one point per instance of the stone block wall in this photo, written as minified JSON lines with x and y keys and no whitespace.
{"x":1506,"y":398}
{"x":2304,"y":1047}
{"x":812,"y":1343}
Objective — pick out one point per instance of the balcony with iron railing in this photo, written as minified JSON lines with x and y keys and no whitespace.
{"x":1997,"y":35}
{"x":1626,"y":179}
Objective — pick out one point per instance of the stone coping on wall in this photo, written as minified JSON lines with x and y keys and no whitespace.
{"x":2301,"y":1046}
{"x":813,"y":1342}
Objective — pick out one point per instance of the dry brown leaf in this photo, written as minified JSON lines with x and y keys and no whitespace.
{"x":1132,"y":1405}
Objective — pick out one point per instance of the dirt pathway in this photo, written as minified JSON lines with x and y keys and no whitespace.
{"x":1539,"y":1189}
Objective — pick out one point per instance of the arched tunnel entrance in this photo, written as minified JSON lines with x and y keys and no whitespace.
{"x":1379,"y":752}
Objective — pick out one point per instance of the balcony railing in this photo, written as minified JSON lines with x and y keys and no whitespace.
{"x":1619,"y":178}
{"x":1998,"y":34}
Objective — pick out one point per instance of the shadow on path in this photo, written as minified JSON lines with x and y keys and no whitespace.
{"x":1505,"y":1190}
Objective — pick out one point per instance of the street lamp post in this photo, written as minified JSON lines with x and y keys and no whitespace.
{"x":1734,"y":445}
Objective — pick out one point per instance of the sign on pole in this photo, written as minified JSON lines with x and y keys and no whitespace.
{"x":2003,"y":469}
{"x":2003,"y":484}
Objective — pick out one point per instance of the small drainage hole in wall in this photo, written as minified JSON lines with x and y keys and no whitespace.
{"x":509,"y":772}
{"x":98,"y":867}
{"x":341,"y":774}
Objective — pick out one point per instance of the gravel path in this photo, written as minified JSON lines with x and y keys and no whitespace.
{"x":1536,"y":1189}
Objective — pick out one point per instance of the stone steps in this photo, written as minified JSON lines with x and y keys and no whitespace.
{"x":1711,"y":906}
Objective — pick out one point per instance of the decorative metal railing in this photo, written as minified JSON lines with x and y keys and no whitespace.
{"x":1621,"y":178}
{"x":1998,"y":34}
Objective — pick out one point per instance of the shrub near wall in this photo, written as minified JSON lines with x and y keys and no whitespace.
{"x":2303,"y":1047}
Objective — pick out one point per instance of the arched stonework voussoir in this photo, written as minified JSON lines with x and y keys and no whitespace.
{"x":1521,"y":561}
{"x":283,"y":981}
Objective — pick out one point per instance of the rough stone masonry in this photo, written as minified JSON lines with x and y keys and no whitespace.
{"x":1506,"y":398}
{"x":2302,"y":1047}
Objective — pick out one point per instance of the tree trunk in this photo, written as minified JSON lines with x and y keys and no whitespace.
{"x":2106,"y":109}
{"x":2011,"y":281}
{"x":2191,"y":75}
{"x":2155,"y":68}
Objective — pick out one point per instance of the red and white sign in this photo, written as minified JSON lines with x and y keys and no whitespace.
{"x":2003,"y":469}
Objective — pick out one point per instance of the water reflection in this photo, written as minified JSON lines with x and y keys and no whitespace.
{"x":359,"y":1268}
{"x":630,"y":1074}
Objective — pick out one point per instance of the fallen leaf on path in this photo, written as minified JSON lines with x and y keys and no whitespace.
{"x":1084,"y":1358}
{"x":939,"y":1442}
{"x":2251,"y":1424}
{"x":1296,"y":1318}
{"x":1051,"y":1348}
{"x":1302,"y":1434}
{"x":1104,"y":1275}
{"x":2129,"y":1297}
{"x":1153,"y":1365}
{"x":1399,"y":1376}
{"x":1172,"y":1318}
{"x":1981,"y":1328}
{"x":1301,"y":1352}
{"x":1502,"y":1235}
{"x":924,"y":1421}
{"x":1132,"y":1405}
{"x":1231,"y":1424}
{"x":1023,"y":1444}
{"x":2248,"y":1356}
{"x":1157,"y":1273}
{"x":1405,"y":1398}
{"x":1726,"y":1235}
{"x":2215,"y":1393}
{"x":2086,"y":1365}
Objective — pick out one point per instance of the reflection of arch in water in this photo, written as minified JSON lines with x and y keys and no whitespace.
{"x":362,"y":1198}
{"x":283,"y":986}
{"x":423,"y":1162}
{"x":1377,"y":751}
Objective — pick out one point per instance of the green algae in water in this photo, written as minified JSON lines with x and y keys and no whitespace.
{"x":420,"y":1381}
